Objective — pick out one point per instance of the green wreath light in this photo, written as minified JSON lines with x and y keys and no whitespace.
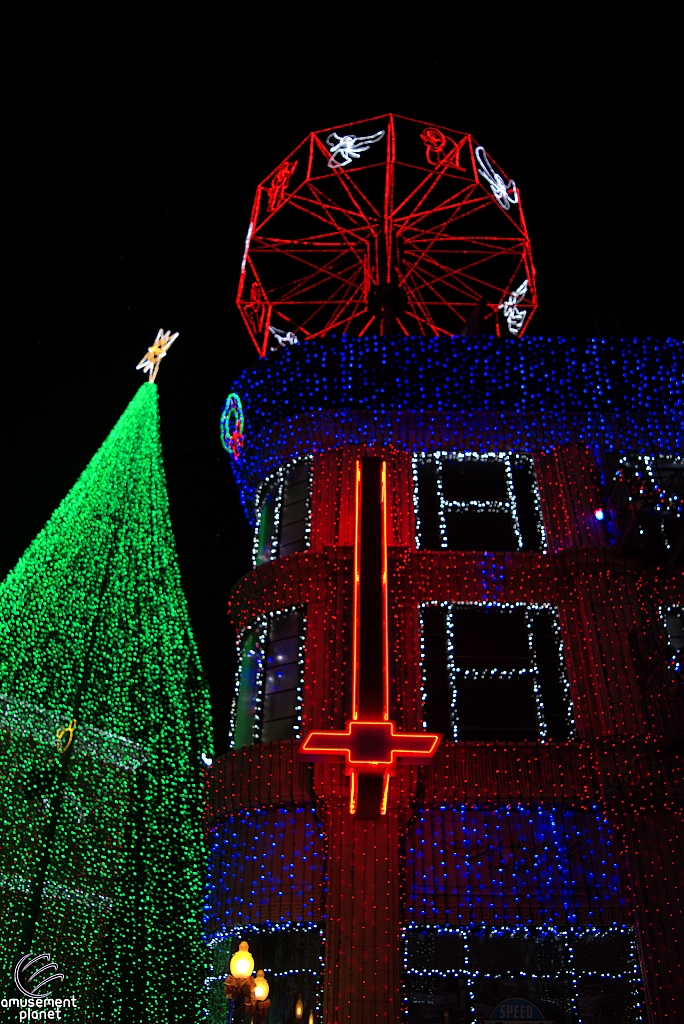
{"x":232,"y":426}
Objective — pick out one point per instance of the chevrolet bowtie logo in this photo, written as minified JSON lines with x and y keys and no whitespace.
{"x":371,"y":746}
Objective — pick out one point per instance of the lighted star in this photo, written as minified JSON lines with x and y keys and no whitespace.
{"x":154,"y":355}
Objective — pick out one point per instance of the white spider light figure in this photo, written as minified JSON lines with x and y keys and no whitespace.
{"x":505,"y":194}
{"x":515,"y":317}
{"x":154,"y":355}
{"x":348,"y":147}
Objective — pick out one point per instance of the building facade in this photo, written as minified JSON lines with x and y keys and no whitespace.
{"x":534,"y":515}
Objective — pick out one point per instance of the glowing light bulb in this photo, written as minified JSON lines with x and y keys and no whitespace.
{"x":261,"y":987}
{"x":242,"y":962}
{"x":311,"y":1018}
{"x":598,"y":514}
{"x":299,"y":1008}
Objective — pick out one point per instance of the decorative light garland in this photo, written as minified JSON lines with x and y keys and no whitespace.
{"x":103,"y":856}
{"x":533,"y":393}
{"x":233,"y":426}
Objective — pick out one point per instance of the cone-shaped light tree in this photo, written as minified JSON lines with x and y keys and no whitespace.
{"x":104,"y":716}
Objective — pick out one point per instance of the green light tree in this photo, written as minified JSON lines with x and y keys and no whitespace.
{"x":102,"y":858}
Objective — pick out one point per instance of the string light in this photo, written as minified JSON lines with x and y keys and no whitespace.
{"x":561,"y":968}
{"x":102,"y":843}
{"x":345,"y":148}
{"x":484,"y":395}
{"x":523,"y":838}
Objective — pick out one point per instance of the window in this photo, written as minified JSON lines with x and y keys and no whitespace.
{"x":268,"y":699}
{"x":648,"y":503}
{"x":290,"y":955}
{"x":470,"y":502}
{"x":515,"y":974}
{"x":283,"y":517}
{"x":494,"y":672}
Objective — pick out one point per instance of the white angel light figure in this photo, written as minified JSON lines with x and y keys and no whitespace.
{"x":345,"y":148}
{"x":505,"y":194}
{"x":515,"y":317}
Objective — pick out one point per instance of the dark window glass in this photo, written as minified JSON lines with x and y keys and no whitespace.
{"x":669,"y":474}
{"x":479,"y":531}
{"x":490,"y":638}
{"x":474,"y":480}
{"x":496,"y":709}
{"x":438,"y":692}
{"x":674,"y":621}
{"x":428,"y":507}
{"x":266,"y":535}
{"x":291,"y":959}
{"x":248,"y":689}
{"x":550,"y":675}
{"x":592,"y":976}
{"x":524,"y":487}
{"x":490,"y":706}
{"x":281,"y":681}
{"x":293,"y":509}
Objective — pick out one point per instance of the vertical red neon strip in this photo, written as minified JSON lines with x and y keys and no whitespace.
{"x":385,"y":623}
{"x":385,"y":793}
{"x":353,"y":792}
{"x":389,"y":199}
{"x":356,"y":582}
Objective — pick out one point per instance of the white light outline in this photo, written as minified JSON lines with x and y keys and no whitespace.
{"x":514,"y":316}
{"x":27,"y":962}
{"x":500,"y":190}
{"x":284,"y":338}
{"x":349,"y":147}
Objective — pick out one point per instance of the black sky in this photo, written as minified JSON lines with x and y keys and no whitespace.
{"x":133,"y":153}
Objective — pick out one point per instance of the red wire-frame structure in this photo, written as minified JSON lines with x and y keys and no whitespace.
{"x":389,"y":224}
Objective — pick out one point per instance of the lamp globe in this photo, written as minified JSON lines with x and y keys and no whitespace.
{"x":242,"y":962}
{"x":260,"y":987}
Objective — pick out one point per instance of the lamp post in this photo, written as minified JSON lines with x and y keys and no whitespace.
{"x":249,"y":994}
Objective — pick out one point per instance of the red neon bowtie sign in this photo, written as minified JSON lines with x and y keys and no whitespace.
{"x":370,"y":744}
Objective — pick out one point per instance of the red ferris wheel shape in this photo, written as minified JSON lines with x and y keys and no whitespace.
{"x":393,"y":225}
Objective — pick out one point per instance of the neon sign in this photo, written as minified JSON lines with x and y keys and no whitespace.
{"x":436,"y":152}
{"x":370,"y":744}
{"x":284,"y":338}
{"x":279,"y":183}
{"x":345,"y":148}
{"x":505,"y":194}
{"x":68,"y":732}
{"x":515,"y":317}
{"x":232,"y":426}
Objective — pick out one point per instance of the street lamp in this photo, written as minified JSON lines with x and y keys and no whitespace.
{"x":249,"y":994}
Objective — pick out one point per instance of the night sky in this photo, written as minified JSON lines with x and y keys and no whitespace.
{"x":133,"y":155}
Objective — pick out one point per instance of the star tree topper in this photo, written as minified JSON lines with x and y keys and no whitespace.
{"x":154,"y":355}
